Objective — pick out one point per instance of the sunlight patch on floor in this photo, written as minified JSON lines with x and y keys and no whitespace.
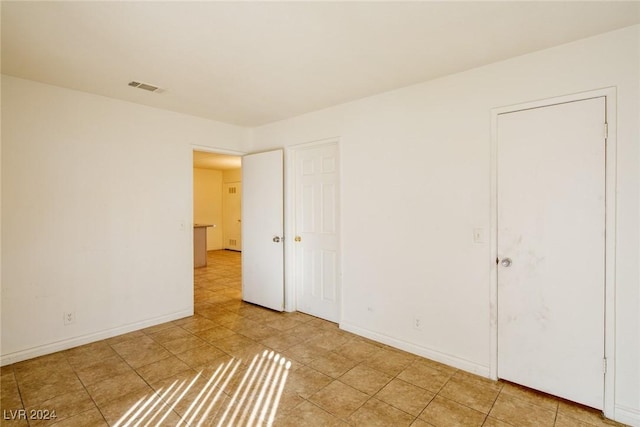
{"x":253,"y":402}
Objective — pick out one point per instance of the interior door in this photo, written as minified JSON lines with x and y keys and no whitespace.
{"x":551,"y":225}
{"x":317,"y":269}
{"x":262,"y":229}
{"x":231,"y":215}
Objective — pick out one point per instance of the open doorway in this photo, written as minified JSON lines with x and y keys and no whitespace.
{"x":217,"y":192}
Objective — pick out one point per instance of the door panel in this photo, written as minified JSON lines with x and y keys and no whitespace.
{"x":317,"y":271}
{"x":551,"y":223}
{"x":231,"y":215}
{"x":262,"y":229}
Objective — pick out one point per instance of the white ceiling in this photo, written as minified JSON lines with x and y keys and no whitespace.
{"x":215,"y":161}
{"x":251,"y":63}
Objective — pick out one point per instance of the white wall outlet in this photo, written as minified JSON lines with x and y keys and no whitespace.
{"x":69,"y":317}
{"x":417,"y":323}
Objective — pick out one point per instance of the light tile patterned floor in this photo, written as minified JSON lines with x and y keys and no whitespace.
{"x":238,"y":364}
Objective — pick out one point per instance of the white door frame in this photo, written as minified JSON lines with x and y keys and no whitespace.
{"x":610,"y":227}
{"x":290,"y":295}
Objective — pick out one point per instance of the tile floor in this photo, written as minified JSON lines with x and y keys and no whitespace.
{"x":233,"y":363}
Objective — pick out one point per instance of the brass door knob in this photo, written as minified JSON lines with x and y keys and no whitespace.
{"x":298,"y":239}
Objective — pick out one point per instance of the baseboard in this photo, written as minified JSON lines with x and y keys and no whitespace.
{"x":623,"y":414}
{"x":627,"y":415}
{"x":429,"y":353}
{"x":41,"y":350}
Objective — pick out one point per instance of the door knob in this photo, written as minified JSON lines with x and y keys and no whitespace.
{"x":276,"y":239}
{"x":298,"y":239}
{"x":506,"y":262}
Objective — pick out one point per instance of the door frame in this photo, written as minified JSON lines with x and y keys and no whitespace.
{"x":610,"y":230}
{"x":290,"y":288}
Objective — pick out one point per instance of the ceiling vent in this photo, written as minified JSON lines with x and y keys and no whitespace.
{"x":145,"y":86}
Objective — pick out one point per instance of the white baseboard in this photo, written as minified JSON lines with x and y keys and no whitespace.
{"x":438,"y":356}
{"x":41,"y":350}
{"x":622,"y":414}
{"x":627,"y":415}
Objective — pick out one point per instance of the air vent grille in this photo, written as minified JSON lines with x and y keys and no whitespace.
{"x":145,"y":86}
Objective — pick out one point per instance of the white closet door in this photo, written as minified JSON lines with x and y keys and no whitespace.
{"x":551,"y":229}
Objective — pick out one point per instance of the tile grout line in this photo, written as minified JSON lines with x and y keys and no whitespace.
{"x":493,"y":404}
{"x":145,"y":381}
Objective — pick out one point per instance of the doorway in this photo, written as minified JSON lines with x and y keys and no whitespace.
{"x":213,"y":175}
{"x":552,"y":198}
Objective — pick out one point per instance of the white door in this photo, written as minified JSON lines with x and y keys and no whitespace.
{"x":317,"y":268}
{"x":262,"y":229}
{"x":231,"y":215}
{"x":551,"y":224}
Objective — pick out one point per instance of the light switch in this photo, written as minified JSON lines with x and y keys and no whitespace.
{"x":479,"y":235}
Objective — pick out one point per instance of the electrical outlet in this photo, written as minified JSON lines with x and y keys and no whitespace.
{"x":417,"y":323}
{"x":69,"y":317}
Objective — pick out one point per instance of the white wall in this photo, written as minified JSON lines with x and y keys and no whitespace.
{"x":207,"y":204}
{"x":97,"y":215}
{"x":407,"y":234}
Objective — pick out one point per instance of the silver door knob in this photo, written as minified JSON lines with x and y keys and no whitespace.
{"x":506,"y":262}
{"x":276,"y":239}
